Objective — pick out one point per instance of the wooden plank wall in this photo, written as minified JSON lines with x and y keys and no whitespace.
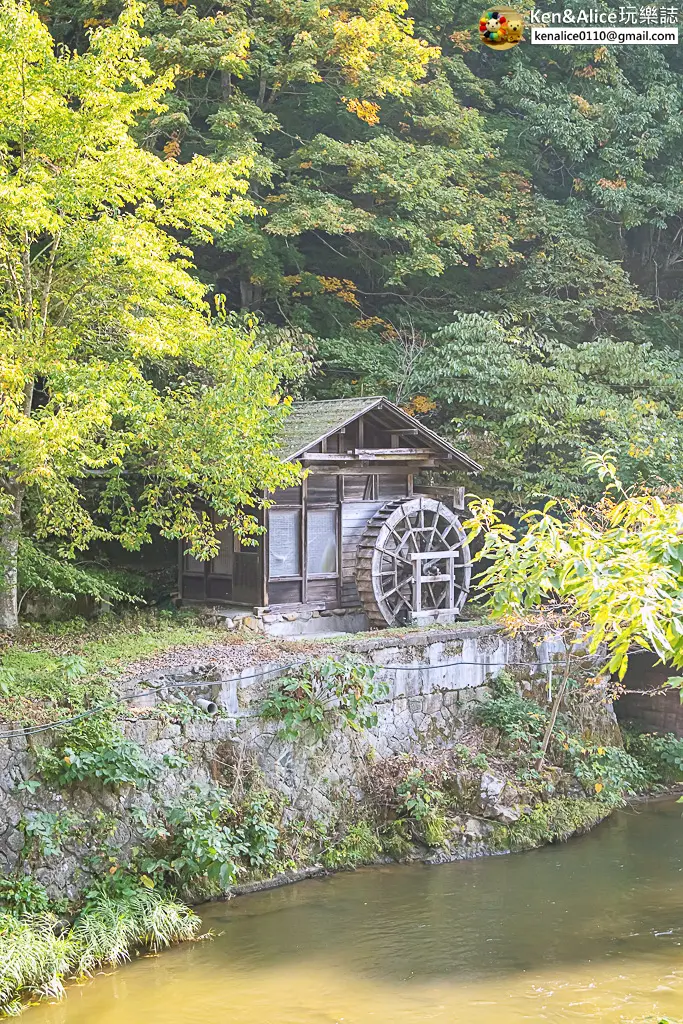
{"x":355,"y":516}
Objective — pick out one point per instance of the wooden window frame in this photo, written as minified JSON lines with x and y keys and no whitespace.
{"x":301,"y":575}
{"x":335,"y":506}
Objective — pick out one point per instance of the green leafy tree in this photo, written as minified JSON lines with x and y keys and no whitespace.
{"x":124,"y":401}
{"x":616,"y":568}
{"x":531,"y":406}
{"x":408,"y":180}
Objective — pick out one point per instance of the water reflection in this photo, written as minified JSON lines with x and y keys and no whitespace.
{"x":587,"y":930}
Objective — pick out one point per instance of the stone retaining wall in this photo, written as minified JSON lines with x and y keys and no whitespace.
{"x":434,"y":679}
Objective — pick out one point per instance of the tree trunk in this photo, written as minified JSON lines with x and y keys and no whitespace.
{"x":10,"y":530}
{"x":250,"y":294}
{"x":553,"y":714}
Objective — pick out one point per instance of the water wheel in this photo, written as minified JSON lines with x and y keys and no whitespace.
{"x":413,"y":562}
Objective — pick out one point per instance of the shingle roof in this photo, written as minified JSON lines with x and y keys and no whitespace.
{"x":310,"y":422}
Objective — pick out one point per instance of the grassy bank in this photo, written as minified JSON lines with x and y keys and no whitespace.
{"x":48,"y":671}
{"x":38,"y":952}
{"x":53,"y":670}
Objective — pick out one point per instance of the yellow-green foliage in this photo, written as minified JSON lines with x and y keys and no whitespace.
{"x":140,"y":378}
{"x":618,"y":566}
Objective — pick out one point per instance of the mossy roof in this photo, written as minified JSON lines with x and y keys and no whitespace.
{"x":308,"y":423}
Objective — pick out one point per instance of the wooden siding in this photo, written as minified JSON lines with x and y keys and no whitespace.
{"x":247,"y":580}
{"x":286,"y":496}
{"x":355,"y":517}
{"x":392,"y":485}
{"x":319,"y":591}
{"x":284,"y":592}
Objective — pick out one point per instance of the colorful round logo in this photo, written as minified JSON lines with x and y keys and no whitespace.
{"x":501,"y":28}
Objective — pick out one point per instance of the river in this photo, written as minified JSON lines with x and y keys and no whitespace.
{"x":590,"y":930}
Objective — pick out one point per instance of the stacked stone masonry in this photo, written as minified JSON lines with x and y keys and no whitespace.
{"x":434,"y":679}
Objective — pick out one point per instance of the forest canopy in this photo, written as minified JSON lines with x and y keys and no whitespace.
{"x":492,"y":239}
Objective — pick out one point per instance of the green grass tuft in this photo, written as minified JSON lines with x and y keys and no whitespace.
{"x":35,"y":959}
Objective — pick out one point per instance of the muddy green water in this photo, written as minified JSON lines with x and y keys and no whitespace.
{"x":587,"y":931}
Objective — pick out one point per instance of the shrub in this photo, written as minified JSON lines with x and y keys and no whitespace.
{"x":258,"y":829}
{"x":360,"y":844}
{"x":23,"y":895}
{"x":660,"y":756}
{"x":118,"y":765}
{"x":51,"y":575}
{"x":208,"y":840}
{"x":420,"y":801}
{"x":323,"y":692}
{"x":417,"y":797}
{"x":471,"y":759}
{"x":609,"y":773}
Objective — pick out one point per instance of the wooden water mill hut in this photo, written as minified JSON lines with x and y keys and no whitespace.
{"x":361,"y":531}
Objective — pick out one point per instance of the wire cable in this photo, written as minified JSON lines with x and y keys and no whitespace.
{"x":61,"y":723}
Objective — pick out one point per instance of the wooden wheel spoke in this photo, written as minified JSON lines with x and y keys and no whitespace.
{"x":396,"y":557}
{"x":387,"y":571}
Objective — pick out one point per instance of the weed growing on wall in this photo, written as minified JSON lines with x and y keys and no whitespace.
{"x":323,"y":693}
{"x":519,"y":720}
{"x":205,"y":842}
{"x":396,"y":839}
{"x":95,"y":750}
{"x":45,"y":831}
{"x":359,"y":844}
{"x":23,"y":895}
{"x":420,"y":803}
